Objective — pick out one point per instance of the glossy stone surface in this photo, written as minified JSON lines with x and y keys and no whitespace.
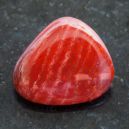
{"x":67,"y":63}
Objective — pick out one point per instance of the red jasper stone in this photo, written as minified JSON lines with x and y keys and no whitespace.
{"x":67,"y":63}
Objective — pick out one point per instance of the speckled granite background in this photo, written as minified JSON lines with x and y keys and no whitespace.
{"x":22,"y":20}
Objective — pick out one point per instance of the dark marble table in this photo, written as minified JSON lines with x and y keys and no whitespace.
{"x":22,"y":20}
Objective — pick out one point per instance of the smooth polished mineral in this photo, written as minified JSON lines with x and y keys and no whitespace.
{"x":67,"y":63}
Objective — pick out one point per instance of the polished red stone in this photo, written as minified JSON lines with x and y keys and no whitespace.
{"x":67,"y":63}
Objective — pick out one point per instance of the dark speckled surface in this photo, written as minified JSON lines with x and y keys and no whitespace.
{"x":22,"y":20}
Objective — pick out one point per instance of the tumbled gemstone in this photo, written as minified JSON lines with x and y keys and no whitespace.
{"x":67,"y":63}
